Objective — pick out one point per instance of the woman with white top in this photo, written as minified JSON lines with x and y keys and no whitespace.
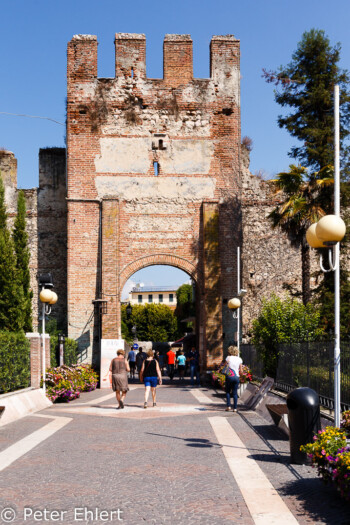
{"x":232,"y":382}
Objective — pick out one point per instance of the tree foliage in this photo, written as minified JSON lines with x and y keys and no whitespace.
{"x":20,"y":239}
{"x":306,"y":88}
{"x":154,"y":322}
{"x":185,"y":308}
{"x":12,"y":301}
{"x":283,"y":321}
{"x":303,"y":201}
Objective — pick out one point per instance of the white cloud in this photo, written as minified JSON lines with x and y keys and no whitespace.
{"x":127,"y":288}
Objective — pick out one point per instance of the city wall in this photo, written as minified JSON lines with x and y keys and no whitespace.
{"x":154,"y":173}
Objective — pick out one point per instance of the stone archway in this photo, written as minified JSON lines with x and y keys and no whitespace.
{"x":164,"y":259}
{"x":159,"y":259}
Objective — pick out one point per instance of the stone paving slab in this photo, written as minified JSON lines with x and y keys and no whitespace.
{"x":161,"y":469}
{"x":306,"y":495}
{"x":16,"y":430}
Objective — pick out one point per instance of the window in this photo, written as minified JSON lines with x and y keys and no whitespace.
{"x":150,"y":298}
{"x":171,"y":298}
{"x":160,"y":297}
{"x":156,"y":168}
{"x":139,"y":299}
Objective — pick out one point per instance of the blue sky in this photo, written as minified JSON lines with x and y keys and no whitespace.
{"x":34,"y":36}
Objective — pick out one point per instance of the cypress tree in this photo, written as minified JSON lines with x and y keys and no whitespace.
{"x":20,"y":238}
{"x":3,"y":212}
{"x":12,"y":316}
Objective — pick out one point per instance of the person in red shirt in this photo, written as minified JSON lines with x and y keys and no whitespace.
{"x":171,"y":363}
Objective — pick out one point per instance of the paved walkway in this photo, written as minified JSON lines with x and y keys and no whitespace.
{"x":186,"y":461}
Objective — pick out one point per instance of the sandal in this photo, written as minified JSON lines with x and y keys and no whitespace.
{"x":121,"y":404}
{"x":145,"y":405}
{"x":154,"y":404}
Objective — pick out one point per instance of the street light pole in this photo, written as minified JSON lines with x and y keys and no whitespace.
{"x":337,"y":407}
{"x":43,"y":346}
{"x":238,"y":292}
{"x":48,"y":298}
{"x":329,"y":231}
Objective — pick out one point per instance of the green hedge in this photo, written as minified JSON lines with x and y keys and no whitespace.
{"x":70,"y":351}
{"x":14,"y":361}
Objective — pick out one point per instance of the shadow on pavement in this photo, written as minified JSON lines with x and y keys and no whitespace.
{"x":195,"y":442}
{"x":322,"y":503}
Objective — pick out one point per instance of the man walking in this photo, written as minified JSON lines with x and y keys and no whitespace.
{"x":132,"y":363}
{"x":193,"y":357}
{"x":171,"y":363}
{"x":140,"y":357}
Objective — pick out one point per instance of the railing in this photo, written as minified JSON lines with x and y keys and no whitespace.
{"x":306,"y":364}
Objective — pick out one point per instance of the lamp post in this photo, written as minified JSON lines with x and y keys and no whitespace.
{"x":235,"y":304}
{"x":128,"y":310}
{"x":48,"y":298}
{"x":328,"y":232}
{"x":61,"y":341}
{"x":134,"y":331}
{"x":232,"y":304}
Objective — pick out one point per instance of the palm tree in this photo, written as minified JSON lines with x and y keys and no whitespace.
{"x":304,"y":199}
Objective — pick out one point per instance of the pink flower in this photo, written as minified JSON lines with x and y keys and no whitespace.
{"x":323,"y":452}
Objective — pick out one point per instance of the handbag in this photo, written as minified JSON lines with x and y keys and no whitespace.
{"x":228,"y":372}
{"x":142,"y":375}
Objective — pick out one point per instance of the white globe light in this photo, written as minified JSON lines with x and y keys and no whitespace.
{"x":330,"y":228}
{"x":54,"y":298}
{"x":46,"y":295}
{"x":234,"y":303}
{"x":312,"y":238}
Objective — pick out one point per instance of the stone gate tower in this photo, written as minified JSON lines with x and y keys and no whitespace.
{"x":153,"y":174}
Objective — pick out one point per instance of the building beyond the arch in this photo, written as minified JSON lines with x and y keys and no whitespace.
{"x":155,"y":175}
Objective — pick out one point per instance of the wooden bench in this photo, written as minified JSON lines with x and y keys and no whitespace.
{"x":279,"y":415}
{"x":261,"y":392}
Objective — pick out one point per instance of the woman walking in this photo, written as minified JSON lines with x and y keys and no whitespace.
{"x":119,"y":368}
{"x":150,"y":373}
{"x":232,"y":381}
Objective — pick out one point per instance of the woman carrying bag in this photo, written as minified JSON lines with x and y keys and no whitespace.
{"x":232,"y":370}
{"x":150,"y":373}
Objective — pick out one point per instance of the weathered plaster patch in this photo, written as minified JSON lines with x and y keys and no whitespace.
{"x":131,"y":155}
{"x":150,"y":208}
{"x":228,"y":80}
{"x":145,"y":245}
{"x":159,"y":235}
{"x":123,"y":155}
{"x":187,"y":156}
{"x":152,"y":224}
{"x":180,"y":189}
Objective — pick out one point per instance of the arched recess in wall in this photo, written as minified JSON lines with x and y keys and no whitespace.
{"x":159,"y":259}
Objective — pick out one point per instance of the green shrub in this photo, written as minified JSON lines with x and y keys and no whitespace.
{"x":70,"y":351}
{"x":283,"y":321}
{"x":14,"y":361}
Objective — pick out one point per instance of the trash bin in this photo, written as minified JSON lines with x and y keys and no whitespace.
{"x":304,"y":421}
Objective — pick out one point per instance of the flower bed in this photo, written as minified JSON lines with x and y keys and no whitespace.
{"x":65,"y":383}
{"x":330,"y":454}
{"x":218,"y":379}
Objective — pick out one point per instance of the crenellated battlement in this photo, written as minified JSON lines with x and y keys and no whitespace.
{"x":130,"y":58}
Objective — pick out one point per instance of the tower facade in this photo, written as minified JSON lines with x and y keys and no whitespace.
{"x":153,"y":177}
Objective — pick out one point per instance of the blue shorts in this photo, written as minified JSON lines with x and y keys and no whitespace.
{"x":151,"y":381}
